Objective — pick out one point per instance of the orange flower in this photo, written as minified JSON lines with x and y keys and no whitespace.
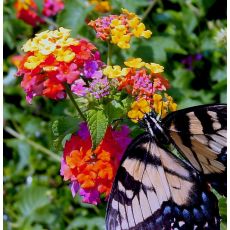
{"x":93,"y":171}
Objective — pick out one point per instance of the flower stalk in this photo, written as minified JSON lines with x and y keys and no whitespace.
{"x":35,"y":145}
{"x":69,"y":93}
{"x":109,"y":54}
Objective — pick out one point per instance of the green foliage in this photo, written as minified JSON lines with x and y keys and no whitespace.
{"x":97,"y":123}
{"x":35,"y":196}
{"x":61,"y":128}
{"x":73,"y":16}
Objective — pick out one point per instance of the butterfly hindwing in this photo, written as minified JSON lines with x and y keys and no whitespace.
{"x":153,"y":189}
{"x":200,"y":134}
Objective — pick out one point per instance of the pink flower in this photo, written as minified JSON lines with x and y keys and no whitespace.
{"x":90,"y":196}
{"x":68,"y":73}
{"x":78,"y":88}
{"x":52,"y":7}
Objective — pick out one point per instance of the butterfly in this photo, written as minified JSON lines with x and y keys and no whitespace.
{"x":157,"y":189}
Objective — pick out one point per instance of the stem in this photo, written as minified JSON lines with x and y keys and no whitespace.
{"x":109,"y":54}
{"x":68,"y":91}
{"x":50,"y":22}
{"x":147,"y":11}
{"x":32,"y":143}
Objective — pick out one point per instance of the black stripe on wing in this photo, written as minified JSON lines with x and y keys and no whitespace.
{"x":164,"y":194}
{"x":199,"y":133}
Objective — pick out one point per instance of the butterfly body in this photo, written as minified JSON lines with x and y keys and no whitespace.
{"x":154,"y":189}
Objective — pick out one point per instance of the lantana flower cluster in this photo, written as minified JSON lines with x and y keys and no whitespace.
{"x":54,"y":59}
{"x":118,"y":29}
{"x":91,"y":172}
{"x":27,"y":10}
{"x":139,"y":79}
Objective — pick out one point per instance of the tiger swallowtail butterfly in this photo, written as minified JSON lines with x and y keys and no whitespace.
{"x":157,"y":189}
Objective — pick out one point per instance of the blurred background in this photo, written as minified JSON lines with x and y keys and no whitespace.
{"x":189,"y":40}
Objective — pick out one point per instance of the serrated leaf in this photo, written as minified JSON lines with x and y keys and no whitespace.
{"x":61,"y":128}
{"x":97,"y":123}
{"x":31,"y":199}
{"x":73,"y":16}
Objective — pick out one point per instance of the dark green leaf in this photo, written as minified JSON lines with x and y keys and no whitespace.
{"x":61,"y":128}
{"x":73,"y":16}
{"x":97,"y":123}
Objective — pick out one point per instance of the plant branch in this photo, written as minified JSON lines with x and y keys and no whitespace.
{"x":147,"y":11}
{"x":32,"y":143}
{"x":109,"y":54}
{"x":69,"y":93}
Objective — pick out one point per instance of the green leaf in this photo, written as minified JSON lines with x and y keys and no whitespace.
{"x":87,"y":223}
{"x":161,"y":45}
{"x":183,"y":78}
{"x":220,"y":85}
{"x":21,"y":148}
{"x":73,"y":16}
{"x":131,"y":5}
{"x":32,"y":198}
{"x":97,"y":123}
{"x":190,"y":20}
{"x":61,"y":128}
{"x":218,"y":74}
{"x":114,"y":110}
{"x":39,"y":4}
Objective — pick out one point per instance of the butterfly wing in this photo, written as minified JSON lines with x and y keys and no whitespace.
{"x":200,"y":134}
{"x":153,"y":189}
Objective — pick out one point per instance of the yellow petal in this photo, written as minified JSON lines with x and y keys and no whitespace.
{"x":146,"y":34}
{"x":154,"y":68}
{"x":134,"y":63}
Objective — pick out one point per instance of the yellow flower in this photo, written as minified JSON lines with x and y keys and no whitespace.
{"x":146,"y":34}
{"x":162,"y":106}
{"x":30,"y":45}
{"x":134,"y":63}
{"x":47,"y":42}
{"x":101,"y":6}
{"x":155,"y":68}
{"x":138,"y":110}
{"x":139,"y":31}
{"x":130,"y":15}
{"x":33,"y":61}
{"x":115,"y":71}
{"x":115,"y":22}
{"x":46,"y":47}
{"x":120,"y":37}
{"x":64,"y":55}
{"x":133,"y":23}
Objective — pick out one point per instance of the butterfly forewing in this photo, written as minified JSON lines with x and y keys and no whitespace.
{"x":155,"y":190}
{"x":200,"y":134}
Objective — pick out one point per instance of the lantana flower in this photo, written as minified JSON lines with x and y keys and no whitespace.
{"x":138,"y":79}
{"x":27,"y":10}
{"x":54,"y":59}
{"x":91,"y":172}
{"x":162,"y":105}
{"x":139,"y":109}
{"x":119,"y":29}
